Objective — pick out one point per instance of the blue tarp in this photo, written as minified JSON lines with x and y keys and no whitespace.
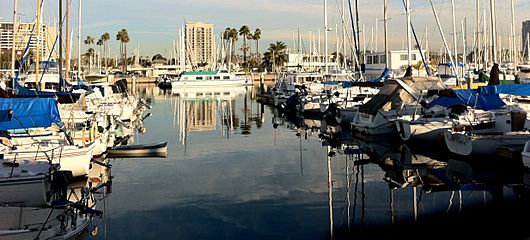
{"x":30,"y":112}
{"x":470,"y":98}
{"x":512,"y":89}
{"x":22,"y":91}
{"x":5,"y":115}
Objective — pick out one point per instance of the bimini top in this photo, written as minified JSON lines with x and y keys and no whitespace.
{"x":200,"y":73}
{"x":29,"y":113}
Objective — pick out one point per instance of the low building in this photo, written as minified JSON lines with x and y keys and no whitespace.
{"x":376,"y":62}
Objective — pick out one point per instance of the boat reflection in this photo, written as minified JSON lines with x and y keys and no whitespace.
{"x":210,"y":109}
{"x":425,"y":191}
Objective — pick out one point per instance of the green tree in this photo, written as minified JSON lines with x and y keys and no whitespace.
{"x":100,"y":44}
{"x":89,"y":41}
{"x":256,"y":37}
{"x":123,"y":37}
{"x":245,"y":32}
{"x":276,"y":55}
{"x":105,"y":37}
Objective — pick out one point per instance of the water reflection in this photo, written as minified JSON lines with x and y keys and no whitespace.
{"x":425,"y":191}
{"x":295,"y":179}
{"x":214,"y":109}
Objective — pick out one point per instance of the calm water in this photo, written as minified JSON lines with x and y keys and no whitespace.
{"x":235,"y":171}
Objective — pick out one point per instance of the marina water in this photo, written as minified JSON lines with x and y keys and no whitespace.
{"x":236,"y":169}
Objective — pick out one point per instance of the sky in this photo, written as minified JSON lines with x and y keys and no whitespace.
{"x":153,"y":24}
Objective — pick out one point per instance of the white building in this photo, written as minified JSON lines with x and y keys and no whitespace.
{"x":23,"y":34}
{"x":375,"y":63}
{"x":309,"y":62}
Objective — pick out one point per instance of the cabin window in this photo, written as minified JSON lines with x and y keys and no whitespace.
{"x":199,"y":78}
{"x":226,"y":77}
{"x":382,"y":59}
{"x":208,"y":77}
{"x":369,"y":60}
{"x":217,"y":77}
{"x":413,"y":56}
{"x":216,"y":93}
{"x":376,"y":59}
{"x":403,"y":57}
{"x":200,"y":94}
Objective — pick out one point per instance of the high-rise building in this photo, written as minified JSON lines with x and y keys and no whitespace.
{"x":200,"y":43}
{"x":524,"y":34}
{"x":23,"y":33}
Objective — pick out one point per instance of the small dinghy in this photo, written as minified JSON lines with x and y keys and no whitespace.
{"x":138,"y":150}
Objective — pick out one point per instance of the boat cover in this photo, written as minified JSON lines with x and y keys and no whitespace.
{"x":29,"y":113}
{"x":512,"y":89}
{"x":470,"y":98}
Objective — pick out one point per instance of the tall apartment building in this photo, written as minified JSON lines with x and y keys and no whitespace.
{"x":46,"y":40}
{"x":200,"y":43}
{"x":524,"y":34}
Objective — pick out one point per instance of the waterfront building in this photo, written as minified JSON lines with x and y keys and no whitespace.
{"x":375,"y":63}
{"x":23,"y":33}
{"x":200,"y":44}
{"x":309,"y":62}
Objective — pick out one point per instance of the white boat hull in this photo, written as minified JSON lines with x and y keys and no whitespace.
{"x":421,"y":131}
{"x":466,"y":145}
{"x":70,"y":158}
{"x":208,"y":83}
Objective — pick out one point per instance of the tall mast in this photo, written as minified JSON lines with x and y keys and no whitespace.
{"x":455,"y":48}
{"x":409,"y":55}
{"x":387,"y":62}
{"x":358,"y":45}
{"x":67,"y":43}
{"x":37,"y":47}
{"x":13,"y":44}
{"x":343,"y":35}
{"x":444,"y":41}
{"x":493,"y":31}
{"x":514,"y":60}
{"x":60,"y":39}
{"x":326,"y":35}
{"x":477,"y":37}
{"x":79,"y":40}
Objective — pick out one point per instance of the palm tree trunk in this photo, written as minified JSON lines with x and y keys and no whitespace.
{"x":125,"y":47}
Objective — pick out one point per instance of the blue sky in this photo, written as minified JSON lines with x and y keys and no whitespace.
{"x":153,"y":24}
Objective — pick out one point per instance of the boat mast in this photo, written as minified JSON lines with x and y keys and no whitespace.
{"x":444,"y":41}
{"x":37,"y":47}
{"x":409,"y":55}
{"x":477,"y":37}
{"x":387,"y":54}
{"x":493,"y":31}
{"x":67,"y":43}
{"x":61,"y":40}
{"x":514,"y":44}
{"x":79,"y":41}
{"x":15,"y":29}
{"x":326,"y":36}
{"x":455,"y":47}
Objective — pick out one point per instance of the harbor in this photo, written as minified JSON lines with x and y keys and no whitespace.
{"x":350,"y":119}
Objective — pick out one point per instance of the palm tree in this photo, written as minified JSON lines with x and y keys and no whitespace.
{"x":256,"y":36}
{"x":123,"y":37}
{"x":245,"y":32}
{"x":100,"y":44}
{"x":276,"y":55}
{"x":105,"y":37}
{"x":226,"y":38}
{"x":233,"y":33}
{"x":88,"y":56}
{"x":89,"y":41}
